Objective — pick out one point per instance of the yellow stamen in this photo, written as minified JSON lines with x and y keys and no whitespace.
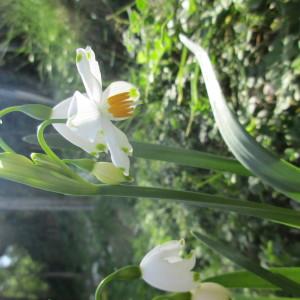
{"x":115,"y":99}
{"x":120,"y":105}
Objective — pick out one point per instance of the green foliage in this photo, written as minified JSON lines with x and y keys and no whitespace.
{"x":242,"y":279}
{"x":288,"y":286}
{"x":255,"y":48}
{"x":20,"y":275}
{"x":43,"y":34}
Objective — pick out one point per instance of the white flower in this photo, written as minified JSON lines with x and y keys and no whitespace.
{"x":89,"y":116}
{"x":164,"y":268}
{"x":210,"y":291}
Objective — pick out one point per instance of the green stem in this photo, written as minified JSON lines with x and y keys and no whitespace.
{"x":210,"y":180}
{"x":120,"y":11}
{"x":48,"y":150}
{"x":125,"y":273}
{"x":5,"y":147}
{"x":8,"y":110}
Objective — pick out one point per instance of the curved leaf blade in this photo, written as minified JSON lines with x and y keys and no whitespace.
{"x":276,"y":172}
{"x":285,"y":284}
{"x":238,"y":297}
{"x":245,"y":279}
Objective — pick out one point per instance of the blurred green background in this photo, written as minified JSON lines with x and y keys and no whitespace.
{"x":58,"y":247}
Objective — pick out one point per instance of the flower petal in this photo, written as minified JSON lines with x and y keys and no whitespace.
{"x":119,"y":100}
{"x":89,"y":71}
{"x":117,"y":144}
{"x":183,"y":263}
{"x":169,"y":248}
{"x":60,"y":111}
{"x":84,"y":117}
{"x":164,"y":269}
{"x":169,"y":277}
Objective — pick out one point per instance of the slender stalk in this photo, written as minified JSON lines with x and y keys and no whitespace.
{"x":102,"y":285}
{"x":120,"y":11}
{"x":125,"y":273}
{"x":8,"y":110}
{"x":48,"y":150}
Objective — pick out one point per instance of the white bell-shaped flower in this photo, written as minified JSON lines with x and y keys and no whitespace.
{"x":210,"y":291}
{"x":90,"y":115}
{"x":164,"y":268}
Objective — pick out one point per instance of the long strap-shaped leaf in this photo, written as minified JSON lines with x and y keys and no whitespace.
{"x":190,"y":158}
{"x":185,"y":157}
{"x":289,"y":286}
{"x":241,"y":297}
{"x":276,"y":172}
{"x":20,"y":169}
{"x":277,"y":214}
{"x":245,"y":279}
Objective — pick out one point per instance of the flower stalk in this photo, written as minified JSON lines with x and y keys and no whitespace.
{"x":48,"y":150}
{"x":125,"y":273}
{"x":35,"y":111}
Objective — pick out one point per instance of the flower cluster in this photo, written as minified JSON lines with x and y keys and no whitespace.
{"x":89,"y":115}
{"x":169,"y":268}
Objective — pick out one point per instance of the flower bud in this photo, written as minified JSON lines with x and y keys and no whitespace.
{"x":107,"y":173}
{"x":165,"y":268}
{"x":210,"y":291}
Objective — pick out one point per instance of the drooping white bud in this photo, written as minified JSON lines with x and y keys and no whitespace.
{"x":165,"y":268}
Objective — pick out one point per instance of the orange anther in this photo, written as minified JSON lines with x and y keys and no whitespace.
{"x":118,"y":98}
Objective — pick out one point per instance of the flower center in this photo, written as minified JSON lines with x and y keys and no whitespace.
{"x":121,"y":105}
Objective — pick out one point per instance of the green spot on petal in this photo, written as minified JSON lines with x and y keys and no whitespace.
{"x":134,"y":93}
{"x":125,"y":150}
{"x":101,"y":147}
{"x":88,"y":55}
{"x":78,"y":57}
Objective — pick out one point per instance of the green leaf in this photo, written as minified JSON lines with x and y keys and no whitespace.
{"x":276,"y":172}
{"x":276,"y":214}
{"x":289,"y":286}
{"x":135,"y":21}
{"x":179,"y":156}
{"x":244,"y":279}
{"x":238,"y":297}
{"x":35,"y":111}
{"x":142,"y":5}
